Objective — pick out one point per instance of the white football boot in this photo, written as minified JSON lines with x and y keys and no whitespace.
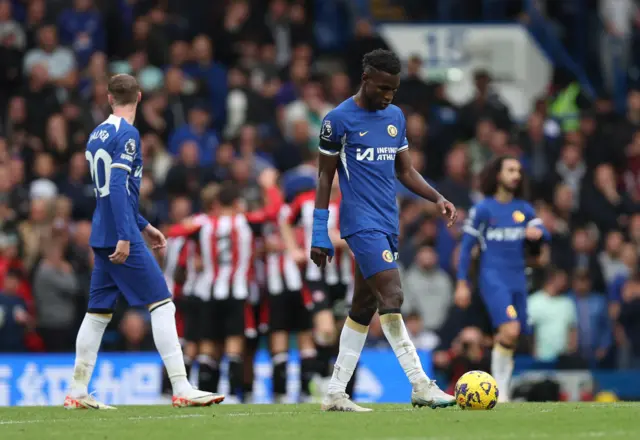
{"x":85,"y":402}
{"x":340,"y":402}
{"x":196,"y":397}
{"x":427,"y":393}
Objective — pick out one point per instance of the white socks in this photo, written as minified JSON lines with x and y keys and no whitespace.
{"x":502,"y":369}
{"x":396,"y":333}
{"x":87,"y":346}
{"x":352,"y":339}
{"x":165,"y":336}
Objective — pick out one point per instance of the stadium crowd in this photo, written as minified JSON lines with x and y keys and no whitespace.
{"x":233,"y":90}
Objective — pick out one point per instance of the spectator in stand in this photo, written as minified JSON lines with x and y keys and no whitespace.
{"x":41,"y":102}
{"x":584,"y":256}
{"x":425,"y":275}
{"x":479,"y":146}
{"x":571,"y":170}
{"x":485,"y":103}
{"x":594,"y":326}
{"x":59,"y":61}
{"x":541,"y":152}
{"x":80,"y":257}
{"x":631,"y":170}
{"x":212,"y":76}
{"x":630,"y":322}
{"x":603,"y":203}
{"x":156,"y":159}
{"x":456,"y":186}
{"x":135,"y":334}
{"x":12,"y":35}
{"x":364,"y":40}
{"x":43,"y":186}
{"x":196,"y":130}
{"x":552,"y":315}
{"x":77,"y":185}
{"x":14,"y":317}
{"x":186,"y":176}
{"x":340,"y":89}
{"x":311,"y":107}
{"x":81,"y":28}
{"x":633,"y":231}
{"x":611,"y":262}
{"x":618,"y":19}
{"x":467,"y":353}
{"x":629,"y":257}
{"x":414,"y":92}
{"x":54,"y":289}
{"x":35,"y":231}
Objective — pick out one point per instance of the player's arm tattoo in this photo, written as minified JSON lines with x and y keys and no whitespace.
{"x":326,"y":173}
{"x":412,"y":179}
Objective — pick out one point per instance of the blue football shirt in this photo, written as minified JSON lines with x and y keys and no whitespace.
{"x":115,"y":144}
{"x":500,"y":230}
{"x":367,"y":143}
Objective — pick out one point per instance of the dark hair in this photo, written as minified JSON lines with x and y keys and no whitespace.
{"x":551,"y":272}
{"x":489,"y":178}
{"x":228,"y":194}
{"x":124,"y":89}
{"x":382,"y":60}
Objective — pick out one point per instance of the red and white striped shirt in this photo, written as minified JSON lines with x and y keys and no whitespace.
{"x":171,"y":261}
{"x":300,"y":212}
{"x":226,"y":247}
{"x":280,"y":271}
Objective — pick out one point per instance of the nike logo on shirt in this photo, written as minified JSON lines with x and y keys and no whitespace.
{"x":363,"y":133}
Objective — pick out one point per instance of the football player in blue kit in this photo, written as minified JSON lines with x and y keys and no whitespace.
{"x":504,"y":226}
{"x":364,"y":140}
{"x":123,"y":265}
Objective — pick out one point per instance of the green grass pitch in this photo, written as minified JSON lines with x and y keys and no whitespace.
{"x":553,"y":421}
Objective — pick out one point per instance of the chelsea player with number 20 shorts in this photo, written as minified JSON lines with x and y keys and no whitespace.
{"x":505,"y":226}
{"x":364,"y":140}
{"x":123,"y":263}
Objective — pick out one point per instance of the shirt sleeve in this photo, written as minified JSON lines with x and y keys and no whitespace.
{"x":119,"y":198}
{"x":331,"y":135}
{"x":475,"y":222}
{"x":472,"y":233}
{"x":125,"y":153}
{"x":142,"y":222}
{"x":404,"y":143}
{"x":533,"y":220}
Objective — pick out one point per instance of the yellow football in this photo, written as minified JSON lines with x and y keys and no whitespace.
{"x":476,"y":390}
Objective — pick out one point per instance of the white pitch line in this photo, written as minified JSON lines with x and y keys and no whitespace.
{"x":102,"y":419}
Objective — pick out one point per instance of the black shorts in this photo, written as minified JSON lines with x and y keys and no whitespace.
{"x":194,"y":316}
{"x":288,"y":311}
{"x":225,"y":318}
{"x":326,"y":297}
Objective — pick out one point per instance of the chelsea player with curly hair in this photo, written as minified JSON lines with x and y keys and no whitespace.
{"x":508,"y":231}
{"x":364,"y":140}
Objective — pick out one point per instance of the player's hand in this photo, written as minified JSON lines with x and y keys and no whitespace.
{"x":447,"y":209}
{"x":462,"y":296}
{"x":268,"y":178}
{"x":155,"y":237}
{"x":533,"y":233}
{"x":121,"y":253}
{"x":320,"y":255}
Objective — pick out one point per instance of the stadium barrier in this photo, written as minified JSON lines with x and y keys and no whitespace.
{"x":134,"y":378}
